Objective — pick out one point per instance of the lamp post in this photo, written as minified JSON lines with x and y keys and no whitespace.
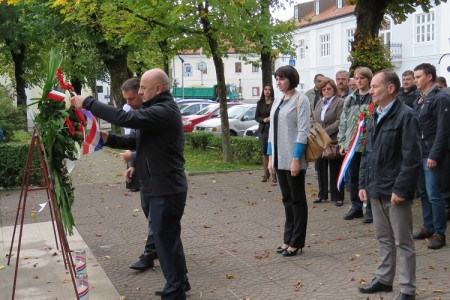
{"x":182,"y":76}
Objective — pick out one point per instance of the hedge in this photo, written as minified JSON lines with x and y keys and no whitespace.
{"x":13,"y":157}
{"x":246,"y":150}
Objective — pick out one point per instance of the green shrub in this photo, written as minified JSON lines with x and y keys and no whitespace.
{"x":13,"y":157}
{"x":11,"y":117}
{"x":246,"y":150}
{"x":199,"y":140}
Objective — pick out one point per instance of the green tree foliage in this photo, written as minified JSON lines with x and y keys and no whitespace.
{"x":10,"y":115}
{"x":367,"y":48}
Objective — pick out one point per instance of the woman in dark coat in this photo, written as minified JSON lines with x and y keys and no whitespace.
{"x":263,"y":108}
{"x":328,"y":113}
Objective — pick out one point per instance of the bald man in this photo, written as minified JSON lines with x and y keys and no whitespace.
{"x":159,"y":145}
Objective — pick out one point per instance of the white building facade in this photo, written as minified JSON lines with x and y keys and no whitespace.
{"x":323,"y":41}
{"x":186,"y":70}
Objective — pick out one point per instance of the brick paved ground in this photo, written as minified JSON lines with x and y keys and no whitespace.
{"x":231,"y":227}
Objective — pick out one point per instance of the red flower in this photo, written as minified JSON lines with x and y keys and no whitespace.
{"x":62,"y":83}
{"x":372,"y":108}
{"x":70,"y":125}
{"x":80,"y":116}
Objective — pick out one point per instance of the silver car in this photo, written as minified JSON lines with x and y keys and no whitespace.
{"x":240,"y":117}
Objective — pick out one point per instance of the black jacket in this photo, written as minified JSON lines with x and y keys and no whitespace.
{"x":159,"y":142}
{"x":409,"y":97}
{"x":390,"y":161}
{"x":433,"y":119}
{"x":261,"y":113}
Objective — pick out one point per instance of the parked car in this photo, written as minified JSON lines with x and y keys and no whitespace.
{"x":188,"y":109}
{"x":212,"y":111}
{"x":240,"y":118}
{"x":184,"y":101}
{"x":252,"y":132}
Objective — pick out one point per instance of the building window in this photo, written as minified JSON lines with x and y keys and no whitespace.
{"x":339,"y":3}
{"x":350,"y":38}
{"x":238,"y":67}
{"x":317,"y":7}
{"x":301,"y":49}
{"x":255,"y":69}
{"x":425,"y":27}
{"x":385,"y":32}
{"x":255,"y":91}
{"x":296,"y":16}
{"x":325,"y":45}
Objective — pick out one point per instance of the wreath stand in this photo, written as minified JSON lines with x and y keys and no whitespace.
{"x":48,"y":186}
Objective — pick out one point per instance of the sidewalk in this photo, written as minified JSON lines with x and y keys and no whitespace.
{"x":232,"y":224}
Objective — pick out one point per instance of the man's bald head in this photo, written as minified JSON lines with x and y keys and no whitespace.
{"x":153,"y":83}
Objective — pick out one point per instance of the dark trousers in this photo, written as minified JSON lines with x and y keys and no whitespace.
{"x":321,"y":166}
{"x":335,"y":167}
{"x":353,"y":172}
{"x":295,"y":207}
{"x":150,"y":248}
{"x":166,"y":213}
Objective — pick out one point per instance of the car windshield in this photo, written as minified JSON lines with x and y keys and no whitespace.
{"x":207,"y":110}
{"x":183,"y":106}
{"x":236,"y":111}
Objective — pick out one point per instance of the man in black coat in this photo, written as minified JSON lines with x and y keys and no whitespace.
{"x":433,"y":109}
{"x":159,"y":145}
{"x":408,"y":92}
{"x":390,"y":164}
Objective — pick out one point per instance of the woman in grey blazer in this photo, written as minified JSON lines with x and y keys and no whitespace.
{"x":328,"y":113}
{"x":290,"y":121}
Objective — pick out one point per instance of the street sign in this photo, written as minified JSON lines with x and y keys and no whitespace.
{"x":202,"y":66}
{"x":292,"y":62}
{"x":187,"y":70}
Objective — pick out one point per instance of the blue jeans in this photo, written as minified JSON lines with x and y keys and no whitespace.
{"x":433,"y":205}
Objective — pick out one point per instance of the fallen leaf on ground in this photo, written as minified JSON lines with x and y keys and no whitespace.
{"x":107,"y":257}
{"x":298,"y":285}
{"x":206,"y":226}
{"x":2,"y":267}
{"x":229,"y":276}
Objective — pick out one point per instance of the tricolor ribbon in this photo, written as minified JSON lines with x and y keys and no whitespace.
{"x":55,"y":95}
{"x":354,"y":143}
{"x":93,"y":141}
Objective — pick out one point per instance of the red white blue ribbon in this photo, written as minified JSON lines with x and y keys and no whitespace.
{"x":354,"y":143}
{"x":55,"y":95}
{"x":93,"y":141}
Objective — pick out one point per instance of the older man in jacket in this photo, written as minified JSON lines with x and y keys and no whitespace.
{"x":159,"y":145}
{"x":390,"y":164}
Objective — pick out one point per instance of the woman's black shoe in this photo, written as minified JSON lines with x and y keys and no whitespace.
{"x":339,"y":202}
{"x":318,"y":200}
{"x":281,"y":249}
{"x":291,"y":253}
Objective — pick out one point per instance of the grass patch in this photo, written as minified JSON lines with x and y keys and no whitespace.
{"x":208,"y":160}
{"x":211,"y":160}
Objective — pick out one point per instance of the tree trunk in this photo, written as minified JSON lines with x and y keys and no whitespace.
{"x":266,"y":51}
{"x":218,"y":63}
{"x":77,"y":85}
{"x":369,"y":17}
{"x":266,"y":67}
{"x":18,"y":57}
{"x":118,"y":70}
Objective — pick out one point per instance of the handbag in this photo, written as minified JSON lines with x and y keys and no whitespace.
{"x":332,"y":151}
{"x":318,"y":141}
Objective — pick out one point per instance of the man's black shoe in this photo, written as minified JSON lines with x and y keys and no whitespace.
{"x":403,"y":296}
{"x":145,"y":262}
{"x":352,"y":214}
{"x":368,"y":218}
{"x":374,"y":287}
{"x":187,"y":288}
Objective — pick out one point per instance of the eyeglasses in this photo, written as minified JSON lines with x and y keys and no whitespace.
{"x":327,"y":89}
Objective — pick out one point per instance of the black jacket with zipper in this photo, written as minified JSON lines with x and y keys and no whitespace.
{"x":391,"y":159}
{"x":433,"y":119}
{"x":159,"y":142}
